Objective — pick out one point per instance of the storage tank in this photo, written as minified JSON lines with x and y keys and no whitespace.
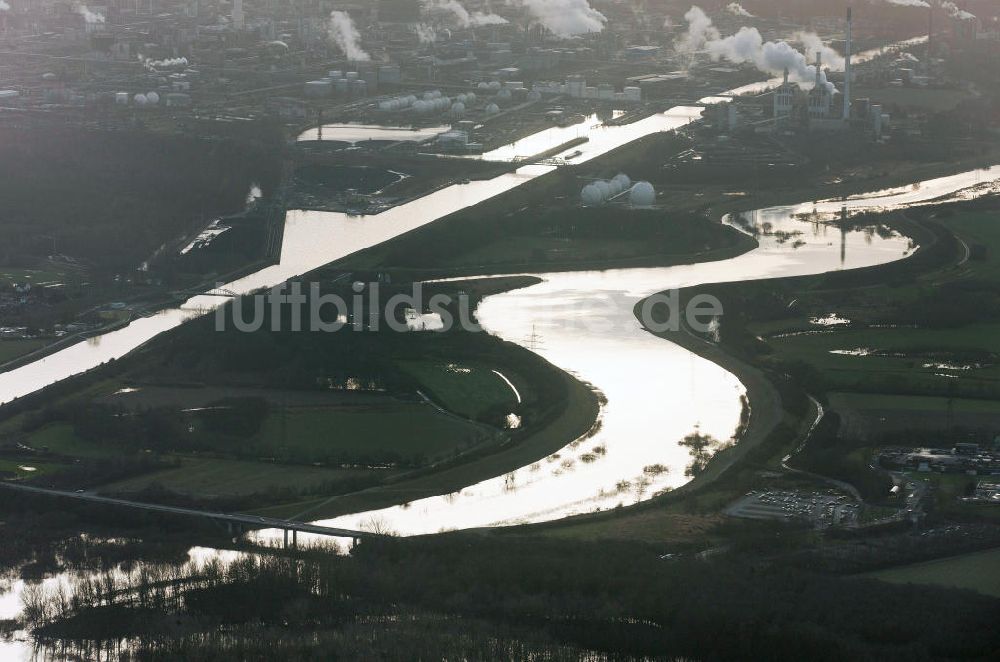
{"x":643,"y":195}
{"x":153,"y":98}
{"x":458,"y":109}
{"x":492,"y":109}
{"x":623,"y":181}
{"x":121,"y":98}
{"x":591,"y":195}
{"x":140,"y":100}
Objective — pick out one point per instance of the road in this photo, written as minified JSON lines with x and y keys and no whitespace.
{"x":248,"y":521}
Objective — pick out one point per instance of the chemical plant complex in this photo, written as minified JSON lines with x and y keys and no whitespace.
{"x":488,"y":72}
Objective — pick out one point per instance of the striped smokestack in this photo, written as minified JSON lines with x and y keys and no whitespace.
{"x":847,"y":68}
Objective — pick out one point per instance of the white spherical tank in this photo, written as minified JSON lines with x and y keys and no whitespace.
{"x":492,"y":109}
{"x":604,"y":188}
{"x":504,"y":95}
{"x":470,"y":97}
{"x":458,"y":109}
{"x":643,"y":195}
{"x":153,"y":98}
{"x":623,"y":181}
{"x":140,"y":100}
{"x":591,"y":195}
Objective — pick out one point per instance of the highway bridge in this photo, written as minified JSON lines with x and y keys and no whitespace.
{"x":234,"y":522}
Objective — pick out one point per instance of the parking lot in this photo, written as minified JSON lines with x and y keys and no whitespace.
{"x":822,"y":509}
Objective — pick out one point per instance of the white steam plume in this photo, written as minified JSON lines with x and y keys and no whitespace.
{"x":813,"y":45}
{"x":425,"y":33}
{"x":89,"y":16}
{"x":342,"y":32}
{"x":748,"y":46}
{"x":700,"y":31}
{"x":910,"y":3}
{"x":955,"y":12}
{"x":4,"y":6}
{"x":169,"y":63}
{"x":736,"y":9}
{"x":564,"y":18}
{"x":462,"y":15}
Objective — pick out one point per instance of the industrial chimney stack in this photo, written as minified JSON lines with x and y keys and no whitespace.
{"x":239,"y":21}
{"x":847,"y":69}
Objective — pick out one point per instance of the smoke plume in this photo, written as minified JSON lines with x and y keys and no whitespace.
{"x":89,"y":16}
{"x":736,"y":9}
{"x":169,"y":63}
{"x":564,"y":18}
{"x":955,"y":12}
{"x":341,"y":31}
{"x":4,"y":6}
{"x":700,"y":31}
{"x":425,"y":33}
{"x":462,"y":16}
{"x":748,"y":46}
{"x":909,"y":3}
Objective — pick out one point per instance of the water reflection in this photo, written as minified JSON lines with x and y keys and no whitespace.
{"x":657,"y":393}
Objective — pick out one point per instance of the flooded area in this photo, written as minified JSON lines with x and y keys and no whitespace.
{"x":356,"y":133}
{"x":656,"y":392}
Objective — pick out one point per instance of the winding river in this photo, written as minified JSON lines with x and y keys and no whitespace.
{"x":583,"y":323}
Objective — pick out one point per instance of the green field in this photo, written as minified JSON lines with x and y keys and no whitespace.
{"x":467,"y":389}
{"x":10,"y":276}
{"x":60,"y":439}
{"x":410,"y":430}
{"x":209,"y":478}
{"x":26,"y":468}
{"x":977,"y":572}
{"x":12,"y":349}
{"x":915,"y":403}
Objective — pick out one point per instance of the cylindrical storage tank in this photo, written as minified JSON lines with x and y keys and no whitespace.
{"x":643,"y":195}
{"x":121,"y":98}
{"x":351,"y":75}
{"x":591,"y":195}
{"x":153,"y":98}
{"x":336,"y":74}
{"x":492,"y":109}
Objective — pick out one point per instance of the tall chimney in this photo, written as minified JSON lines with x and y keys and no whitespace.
{"x":239,"y":21}
{"x":847,"y":68}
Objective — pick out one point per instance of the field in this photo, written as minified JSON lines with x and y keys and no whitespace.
{"x":978,"y":572}
{"x":408,"y":430}
{"x":12,"y":349}
{"x":211,"y":478}
{"x":468,"y":389}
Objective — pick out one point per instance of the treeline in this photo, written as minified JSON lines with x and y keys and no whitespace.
{"x":616,"y":599}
